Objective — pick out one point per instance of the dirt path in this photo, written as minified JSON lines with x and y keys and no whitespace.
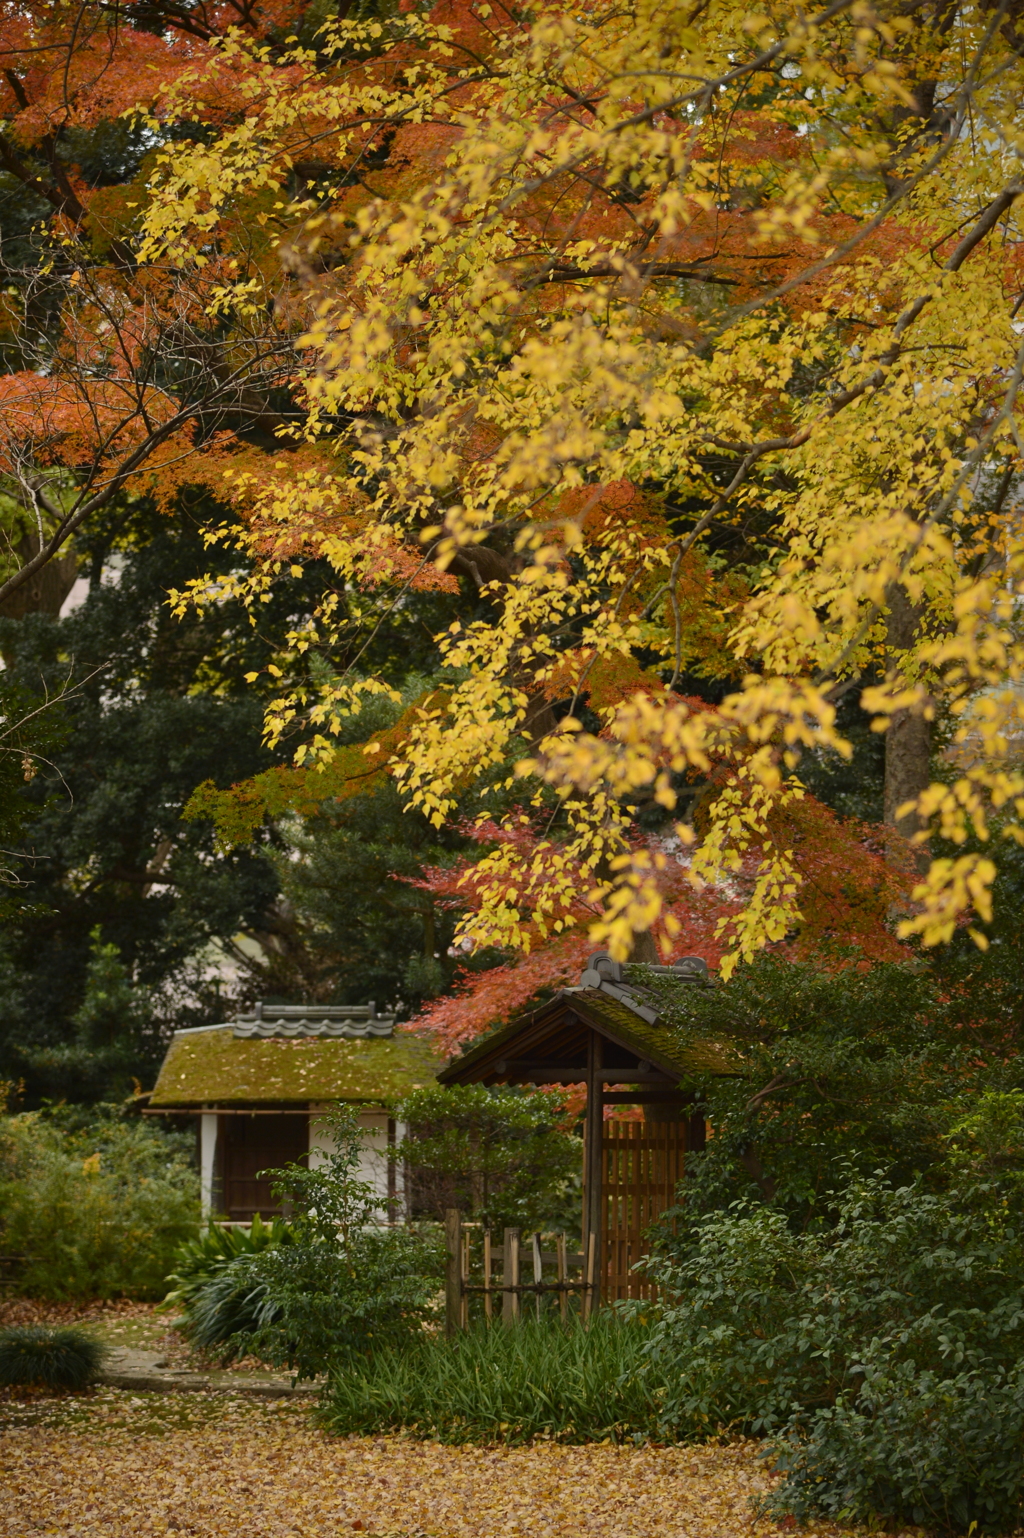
{"x":116,"y":1465}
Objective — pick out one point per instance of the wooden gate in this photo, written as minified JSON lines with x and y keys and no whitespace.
{"x":641,"y":1164}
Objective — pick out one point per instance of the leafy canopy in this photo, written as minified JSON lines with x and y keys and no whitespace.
{"x":542,"y":304}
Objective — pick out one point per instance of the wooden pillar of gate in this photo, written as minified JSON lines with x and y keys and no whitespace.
{"x":593,"y":1165}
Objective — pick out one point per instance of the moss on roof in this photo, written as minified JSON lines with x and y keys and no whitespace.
{"x":217,"y":1068}
{"x":661,"y":1044}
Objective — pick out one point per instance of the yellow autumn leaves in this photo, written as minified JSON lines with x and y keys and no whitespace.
{"x":767,"y":267}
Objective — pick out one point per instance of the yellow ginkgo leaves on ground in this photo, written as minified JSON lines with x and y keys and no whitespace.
{"x":117,"y":1465}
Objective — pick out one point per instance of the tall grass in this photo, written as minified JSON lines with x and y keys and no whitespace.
{"x":567,"y":1382}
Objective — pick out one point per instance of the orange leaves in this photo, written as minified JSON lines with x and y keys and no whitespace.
{"x":601,"y":511}
{"x":407,"y":568}
{"x":61,"y":419}
{"x":846,"y":895}
{"x":483,"y":1000}
{"x":603,"y":682}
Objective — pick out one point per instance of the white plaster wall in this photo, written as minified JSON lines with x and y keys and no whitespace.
{"x":207,"y":1156}
{"x":373,"y":1162}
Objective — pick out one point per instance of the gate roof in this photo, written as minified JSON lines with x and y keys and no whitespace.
{"x":615,"y":1002}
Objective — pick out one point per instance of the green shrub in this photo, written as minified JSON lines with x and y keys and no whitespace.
{"x":97,"y":1210}
{"x":224,"y":1311}
{"x":335,"y":1282}
{"x":942,"y":1450}
{"x":840,"y":1074}
{"x":32,"y":1356}
{"x":884,"y":1355}
{"x":198,"y":1260}
{"x":322,"y":1303}
{"x":568,"y":1382}
{"x":505,"y":1157}
{"x":217,"y":1297}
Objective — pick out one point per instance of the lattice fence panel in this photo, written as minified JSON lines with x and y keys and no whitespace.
{"x":642,"y":1162}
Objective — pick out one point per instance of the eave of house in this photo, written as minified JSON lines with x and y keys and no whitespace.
{"x":216,"y":1068}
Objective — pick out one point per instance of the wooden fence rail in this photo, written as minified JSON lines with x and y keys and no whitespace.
{"x":511,"y":1288}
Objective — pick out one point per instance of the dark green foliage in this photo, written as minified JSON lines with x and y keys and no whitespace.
{"x":843,"y":1074}
{"x":226,"y":1309}
{"x":356,"y":875}
{"x":569,"y":1383}
{"x":160,"y":705}
{"x":884,"y":1350}
{"x":848,"y":1262}
{"x":941,"y":1451}
{"x":364,"y":926}
{"x":31,"y":730}
{"x":319,"y":1305}
{"x":342,"y":1284}
{"x":99,"y":1209}
{"x":501,"y":1156}
{"x":852,"y":787}
{"x":164,"y":705}
{"x":33,"y":1356}
{"x":114,"y":1031}
{"x":212,"y":1286}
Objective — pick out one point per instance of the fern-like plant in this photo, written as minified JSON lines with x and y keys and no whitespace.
{"x":33,"y":1356}
{"x":198,"y":1261}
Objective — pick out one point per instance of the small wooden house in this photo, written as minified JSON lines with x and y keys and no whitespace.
{"x":258,"y":1087}
{"x":605,"y":1033}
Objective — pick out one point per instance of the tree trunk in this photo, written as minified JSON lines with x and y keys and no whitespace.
{"x":45,"y":592}
{"x":908,"y":742}
{"x":644,"y":949}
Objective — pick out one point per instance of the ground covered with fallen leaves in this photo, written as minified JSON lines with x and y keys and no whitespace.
{"x":110,"y":1464}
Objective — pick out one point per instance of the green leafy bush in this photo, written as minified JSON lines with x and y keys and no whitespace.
{"x":884,"y":1353}
{"x":542,"y":1379}
{"x":502,"y":1156}
{"x":97,"y":1210}
{"x":943,"y":1450}
{"x":841,"y":1074}
{"x":225,"y":1310}
{"x":33,"y":1356}
{"x":218,"y":1298}
{"x":335,"y":1284}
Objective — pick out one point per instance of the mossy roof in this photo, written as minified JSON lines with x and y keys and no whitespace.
{"x":658,"y":1042}
{"x":662,"y":1046}
{"x":215,"y":1067}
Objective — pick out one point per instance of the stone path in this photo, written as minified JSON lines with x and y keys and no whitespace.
{"x":147,"y":1371}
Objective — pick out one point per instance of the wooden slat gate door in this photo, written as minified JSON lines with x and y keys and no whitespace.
{"x":252,"y":1144}
{"x":641,"y":1165}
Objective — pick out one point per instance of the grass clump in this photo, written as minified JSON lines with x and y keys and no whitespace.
{"x":566,"y":1383}
{"x":212,"y":1285}
{"x":34,"y":1356}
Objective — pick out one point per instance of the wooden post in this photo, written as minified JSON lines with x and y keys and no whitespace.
{"x":452,"y":1271}
{"x":464,"y":1264}
{"x":594,"y":1174}
{"x":488,"y":1276}
{"x":510,"y":1277}
{"x":589,"y":1275}
{"x":538,"y":1268}
{"x":563,"y":1275}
